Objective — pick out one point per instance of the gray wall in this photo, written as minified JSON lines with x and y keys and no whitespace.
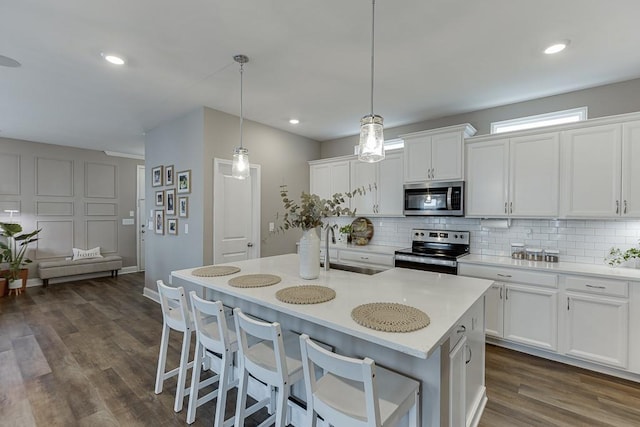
{"x":192,"y":142}
{"x":78,"y":197}
{"x":608,"y":100}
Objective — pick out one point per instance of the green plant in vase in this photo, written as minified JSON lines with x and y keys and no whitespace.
{"x":14,"y":250}
{"x":616,"y":256}
{"x":346,"y":230}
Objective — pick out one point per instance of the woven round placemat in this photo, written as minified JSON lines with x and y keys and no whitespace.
{"x":306,"y":294}
{"x":254,"y":280}
{"x":390,"y":317}
{"x":215,"y":270}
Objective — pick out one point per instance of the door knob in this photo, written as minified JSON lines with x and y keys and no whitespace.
{"x":250,"y":244}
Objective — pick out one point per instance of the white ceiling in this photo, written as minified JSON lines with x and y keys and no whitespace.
{"x":308,"y":59}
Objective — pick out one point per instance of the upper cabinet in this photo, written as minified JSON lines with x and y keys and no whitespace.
{"x":435,"y":155}
{"x":513,"y":177}
{"x":600,"y":179}
{"x":329,"y":177}
{"x":383,"y":182}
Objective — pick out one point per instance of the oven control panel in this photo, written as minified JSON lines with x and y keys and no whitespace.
{"x":440,"y":236}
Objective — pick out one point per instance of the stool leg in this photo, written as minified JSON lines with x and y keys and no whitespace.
{"x":281,"y":406}
{"x":182,"y":373}
{"x":162,"y":358}
{"x":195,"y":383}
{"x":223,"y":387}
{"x":241,"y":402}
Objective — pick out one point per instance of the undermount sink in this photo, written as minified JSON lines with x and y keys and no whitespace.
{"x":370,"y":271}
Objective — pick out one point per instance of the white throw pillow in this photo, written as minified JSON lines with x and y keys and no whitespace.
{"x":89,"y":253}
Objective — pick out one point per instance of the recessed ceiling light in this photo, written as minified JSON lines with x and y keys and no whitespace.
{"x":294,"y":121}
{"x":113,"y":59}
{"x":556,"y":47}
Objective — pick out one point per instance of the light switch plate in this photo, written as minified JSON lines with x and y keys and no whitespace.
{"x":127,"y":221}
{"x":186,"y":229}
{"x":132,"y":213}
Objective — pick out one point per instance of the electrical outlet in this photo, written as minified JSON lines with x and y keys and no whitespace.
{"x":272,"y":226}
{"x":186,"y":229}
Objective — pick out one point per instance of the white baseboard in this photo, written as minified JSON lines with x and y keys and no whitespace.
{"x":151,"y":294}
{"x":38,"y":282}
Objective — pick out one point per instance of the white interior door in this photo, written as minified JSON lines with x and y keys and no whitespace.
{"x":236,"y":214}
{"x":142,"y":222}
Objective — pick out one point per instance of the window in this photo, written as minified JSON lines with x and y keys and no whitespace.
{"x":540,"y":120}
{"x":391,"y":144}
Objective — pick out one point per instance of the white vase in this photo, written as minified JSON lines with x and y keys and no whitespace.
{"x":309,"y":254}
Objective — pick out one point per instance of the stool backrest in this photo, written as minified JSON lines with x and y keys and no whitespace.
{"x":211,"y":323}
{"x":360,"y":371}
{"x":268,"y":364}
{"x":175,"y":310}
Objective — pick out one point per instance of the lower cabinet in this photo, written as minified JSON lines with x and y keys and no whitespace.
{"x":596,"y":322}
{"x":458,"y":384}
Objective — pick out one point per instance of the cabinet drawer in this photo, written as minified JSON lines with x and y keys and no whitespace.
{"x":509,"y":275}
{"x":598,"y":286}
{"x":366,"y":258}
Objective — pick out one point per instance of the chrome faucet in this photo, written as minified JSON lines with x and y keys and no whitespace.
{"x":326,"y":246}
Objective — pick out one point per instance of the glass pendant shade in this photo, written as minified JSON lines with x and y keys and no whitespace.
{"x":240,"y":167}
{"x":371,"y":147}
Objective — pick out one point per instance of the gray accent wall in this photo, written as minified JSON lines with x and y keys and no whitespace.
{"x":77,"y":196}
{"x":602,"y":101}
{"x":192,"y":142}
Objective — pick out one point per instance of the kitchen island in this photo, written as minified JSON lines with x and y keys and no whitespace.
{"x":451,"y":392}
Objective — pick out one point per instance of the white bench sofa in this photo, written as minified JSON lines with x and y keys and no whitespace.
{"x":54,"y":269}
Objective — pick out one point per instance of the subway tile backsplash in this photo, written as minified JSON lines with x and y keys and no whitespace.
{"x":581,"y":241}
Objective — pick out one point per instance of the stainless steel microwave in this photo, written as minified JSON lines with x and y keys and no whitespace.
{"x":434,"y":199}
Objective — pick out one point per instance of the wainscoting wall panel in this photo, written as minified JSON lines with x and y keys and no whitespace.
{"x":100,"y":180}
{"x":10,"y":204}
{"x":55,"y":240}
{"x":101,"y":209}
{"x":103,"y":233}
{"x":54,"y":177}
{"x":54,"y":208}
{"x":10,"y":174}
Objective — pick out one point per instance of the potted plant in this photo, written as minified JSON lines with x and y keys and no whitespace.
{"x":345,"y":231}
{"x":308,"y":214}
{"x":616,"y":256}
{"x":13,"y":252}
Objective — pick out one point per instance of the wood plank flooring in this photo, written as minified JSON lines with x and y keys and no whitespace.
{"x":85,"y":353}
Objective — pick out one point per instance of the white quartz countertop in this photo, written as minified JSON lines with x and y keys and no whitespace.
{"x":445,"y":298}
{"x":380,"y":249}
{"x":604,"y":271}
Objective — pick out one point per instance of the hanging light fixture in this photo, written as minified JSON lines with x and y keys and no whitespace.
{"x":371,"y":147}
{"x":240,"y":167}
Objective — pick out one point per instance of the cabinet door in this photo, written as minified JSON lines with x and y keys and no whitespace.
{"x":365,"y":175}
{"x":340,"y":177}
{"x":531,"y":316}
{"x":417,"y":159}
{"x":487,"y":177}
{"x":475,"y":388}
{"x":446,"y":156}
{"x":320,"y":180}
{"x":390,"y":190}
{"x":597,"y":329}
{"x":591,"y":160}
{"x":457,"y":384}
{"x":534,"y":176}
{"x":494,"y":311}
{"x":630,"y":170}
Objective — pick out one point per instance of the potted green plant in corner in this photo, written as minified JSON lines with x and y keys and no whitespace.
{"x":13,"y":252}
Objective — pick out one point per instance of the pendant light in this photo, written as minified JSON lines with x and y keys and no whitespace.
{"x":371,"y":147}
{"x":240,"y":167}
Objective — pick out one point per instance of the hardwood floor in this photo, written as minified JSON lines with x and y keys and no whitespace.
{"x":85,"y":353}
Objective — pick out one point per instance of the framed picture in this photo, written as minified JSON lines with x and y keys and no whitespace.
{"x":183,"y":207}
{"x":156,"y":176}
{"x":168,"y":175}
{"x":160,"y":198}
{"x":172,"y":226}
{"x":170,"y":200}
{"x":158,"y":223}
{"x":184,"y":181}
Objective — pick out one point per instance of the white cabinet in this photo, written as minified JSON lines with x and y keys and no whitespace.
{"x":457,"y":384}
{"x":596,"y":320}
{"x":329,"y":177}
{"x":383,"y":182}
{"x":601,"y":173}
{"x":514,"y":177}
{"x":522,"y":306}
{"x":435,"y":155}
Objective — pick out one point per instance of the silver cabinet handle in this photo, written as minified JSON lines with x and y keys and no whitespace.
{"x":505,"y":207}
{"x":617,"y":206}
{"x":364,"y":257}
{"x":433,"y":173}
{"x":568,"y":303}
{"x":596,"y":287}
{"x":504,"y":275}
{"x":470,"y":356}
{"x":506,"y":294}
{"x":462,"y":329}
{"x":625,"y":207}
{"x":510,"y":207}
{"x":500,"y":293}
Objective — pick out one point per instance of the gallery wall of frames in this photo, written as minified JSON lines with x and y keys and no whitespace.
{"x":171,"y":198}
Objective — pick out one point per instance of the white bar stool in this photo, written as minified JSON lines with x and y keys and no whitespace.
{"x":175,"y":313}
{"x":347,"y":393}
{"x":218,"y":343}
{"x":274,"y":361}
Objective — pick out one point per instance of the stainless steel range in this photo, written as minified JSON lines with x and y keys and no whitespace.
{"x":434,"y":250}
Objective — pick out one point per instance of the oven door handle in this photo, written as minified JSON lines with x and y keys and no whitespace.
{"x":426,"y":260}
